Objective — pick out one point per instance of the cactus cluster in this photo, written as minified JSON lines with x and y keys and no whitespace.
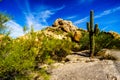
{"x":92,"y":32}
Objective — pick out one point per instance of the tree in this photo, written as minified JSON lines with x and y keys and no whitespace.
{"x":3,"y":19}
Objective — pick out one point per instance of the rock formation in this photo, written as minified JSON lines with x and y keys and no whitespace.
{"x":115,"y":35}
{"x":64,"y":25}
{"x":77,"y":36}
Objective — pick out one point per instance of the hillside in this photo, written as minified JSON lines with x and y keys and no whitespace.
{"x":49,"y":52}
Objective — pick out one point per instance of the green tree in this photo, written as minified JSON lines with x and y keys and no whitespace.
{"x":3,"y":19}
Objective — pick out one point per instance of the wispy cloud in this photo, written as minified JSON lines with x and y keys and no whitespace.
{"x":16,"y":29}
{"x":71,"y":17}
{"x":81,"y":21}
{"x":37,"y":18}
{"x":106,"y":12}
{"x":104,"y":28}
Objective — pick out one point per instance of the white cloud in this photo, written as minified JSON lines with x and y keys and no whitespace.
{"x":71,"y":17}
{"x":103,"y":13}
{"x":38,"y":19}
{"x":106,"y":12}
{"x":116,"y":9}
{"x":16,"y":29}
{"x":81,"y":21}
{"x":104,"y":28}
{"x":46,"y":14}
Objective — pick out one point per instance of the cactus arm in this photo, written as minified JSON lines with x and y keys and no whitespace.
{"x":96,"y":29}
{"x":88,"y":26}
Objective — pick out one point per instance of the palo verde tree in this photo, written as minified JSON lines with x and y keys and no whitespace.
{"x":92,"y":32}
{"x":3,"y":19}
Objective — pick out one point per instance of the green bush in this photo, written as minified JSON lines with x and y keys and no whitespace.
{"x":114,"y":44}
{"x":102,"y":40}
{"x":84,"y":41}
{"x":17,"y":57}
{"x":54,"y":49}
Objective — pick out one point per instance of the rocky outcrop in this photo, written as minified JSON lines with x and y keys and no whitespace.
{"x":64,"y":25}
{"x":97,"y":70}
{"x":52,"y":34}
{"x":81,"y":67}
{"x":109,"y":54}
{"x":68,"y":27}
{"x":115,"y":35}
{"x":77,"y":36}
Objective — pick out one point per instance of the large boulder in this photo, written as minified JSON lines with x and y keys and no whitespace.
{"x":64,"y":25}
{"x":77,"y":36}
{"x":109,"y":54}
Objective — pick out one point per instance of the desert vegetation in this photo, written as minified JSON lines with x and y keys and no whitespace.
{"x":20,"y":58}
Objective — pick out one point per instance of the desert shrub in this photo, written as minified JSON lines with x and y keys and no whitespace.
{"x":18,"y":59}
{"x":102,"y":40}
{"x":84,"y":41}
{"x":17,"y":56}
{"x":114,"y":44}
{"x":54,"y":49}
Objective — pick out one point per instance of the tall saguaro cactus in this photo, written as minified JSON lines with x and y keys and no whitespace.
{"x":92,"y":32}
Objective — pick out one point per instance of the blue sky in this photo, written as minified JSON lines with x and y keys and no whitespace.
{"x":42,"y":13}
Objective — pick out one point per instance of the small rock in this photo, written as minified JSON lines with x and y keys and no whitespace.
{"x":57,"y":65}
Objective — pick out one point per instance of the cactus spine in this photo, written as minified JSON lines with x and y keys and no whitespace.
{"x":92,"y":32}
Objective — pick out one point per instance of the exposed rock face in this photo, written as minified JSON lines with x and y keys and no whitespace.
{"x":81,"y":67}
{"x":56,"y":36}
{"x":97,"y":70}
{"x":115,"y":35}
{"x":64,"y":25}
{"x":113,"y":53}
{"x":77,"y":36}
{"x":67,"y":27}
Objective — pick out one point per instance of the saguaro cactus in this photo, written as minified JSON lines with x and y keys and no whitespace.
{"x":92,"y":31}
